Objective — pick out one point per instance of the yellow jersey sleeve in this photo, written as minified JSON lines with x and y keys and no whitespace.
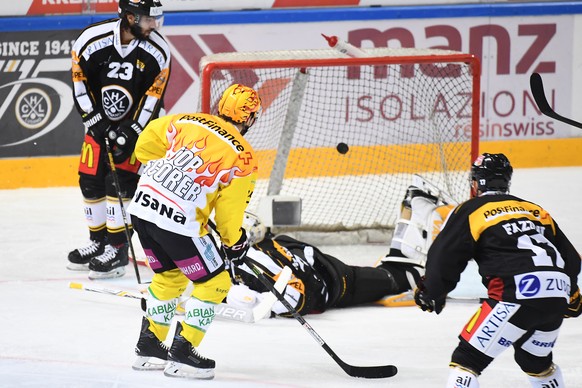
{"x":152,"y":142}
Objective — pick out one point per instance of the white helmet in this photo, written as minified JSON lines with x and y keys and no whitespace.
{"x":255,"y":229}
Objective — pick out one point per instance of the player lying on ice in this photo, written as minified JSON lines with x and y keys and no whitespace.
{"x":321,"y":281}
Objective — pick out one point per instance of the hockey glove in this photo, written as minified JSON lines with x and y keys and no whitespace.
{"x":97,"y":125}
{"x":236,"y":253}
{"x":575,"y":306}
{"x":425,"y":302}
{"x":125,"y":138}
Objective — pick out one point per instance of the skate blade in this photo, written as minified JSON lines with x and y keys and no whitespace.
{"x":176,"y":369}
{"x":78,"y":267}
{"x":114,"y":273}
{"x":148,"y":363}
{"x":404,"y":299}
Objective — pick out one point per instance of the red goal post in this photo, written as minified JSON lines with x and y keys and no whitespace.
{"x":346,"y":135}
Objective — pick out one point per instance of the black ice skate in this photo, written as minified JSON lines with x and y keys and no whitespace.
{"x":184,"y":360}
{"x":151,"y":353}
{"x":79,"y":258}
{"x":110,"y":264}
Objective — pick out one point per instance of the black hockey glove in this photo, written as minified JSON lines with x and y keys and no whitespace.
{"x":124,"y":139}
{"x":97,"y":125}
{"x":575,"y":306}
{"x":236,"y":253}
{"x":426,"y":303}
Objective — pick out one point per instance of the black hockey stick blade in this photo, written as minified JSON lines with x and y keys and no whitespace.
{"x":367,"y":372}
{"x":537,"y":90}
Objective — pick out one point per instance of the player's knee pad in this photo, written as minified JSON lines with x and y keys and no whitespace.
{"x":462,"y":377}
{"x":168,"y":284}
{"x":470,"y":358}
{"x":213,"y":290}
{"x":534,"y":355}
{"x":127,"y":184}
{"x":91,"y":187}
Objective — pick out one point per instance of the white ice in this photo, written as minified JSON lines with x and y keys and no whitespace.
{"x":54,"y":336}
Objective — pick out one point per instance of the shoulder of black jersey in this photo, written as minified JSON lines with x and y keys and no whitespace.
{"x":157,"y":40}
{"x":95,"y":32}
{"x":98,"y":28}
{"x":475,"y":203}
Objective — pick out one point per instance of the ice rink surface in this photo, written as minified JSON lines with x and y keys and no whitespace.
{"x":53,"y":336}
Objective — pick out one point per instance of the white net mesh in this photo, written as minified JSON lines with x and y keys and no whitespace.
{"x":346,"y":136}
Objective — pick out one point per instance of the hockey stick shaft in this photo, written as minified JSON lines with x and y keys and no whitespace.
{"x":222,"y":310}
{"x":123,"y":213}
{"x":369,"y":372}
{"x":107,"y":291}
{"x":537,"y":90}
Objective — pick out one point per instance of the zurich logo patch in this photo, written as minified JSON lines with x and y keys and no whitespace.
{"x":529,"y":285}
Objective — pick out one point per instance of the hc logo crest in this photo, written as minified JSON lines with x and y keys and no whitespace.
{"x":116,"y":102}
{"x":33,"y":108}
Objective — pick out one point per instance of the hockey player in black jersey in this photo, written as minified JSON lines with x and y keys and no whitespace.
{"x":120,"y":71}
{"x":528,"y":266}
{"x":321,"y":281}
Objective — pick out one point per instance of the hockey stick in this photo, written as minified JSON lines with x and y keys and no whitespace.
{"x":222,"y":310}
{"x":108,"y":291}
{"x":368,"y":372}
{"x":123,"y":214}
{"x":537,"y":90}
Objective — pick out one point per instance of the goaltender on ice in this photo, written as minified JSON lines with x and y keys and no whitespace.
{"x":195,"y":164}
{"x":321,"y":281}
{"x":527,"y":264}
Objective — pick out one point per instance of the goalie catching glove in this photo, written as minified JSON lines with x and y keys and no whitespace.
{"x":575,"y":306}
{"x":125,"y":138}
{"x":426,"y":303}
{"x":237,"y":252}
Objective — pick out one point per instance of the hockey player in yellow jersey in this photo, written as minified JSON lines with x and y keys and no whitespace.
{"x":195,"y":164}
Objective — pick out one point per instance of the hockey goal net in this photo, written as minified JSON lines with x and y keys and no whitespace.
{"x":347,"y":134}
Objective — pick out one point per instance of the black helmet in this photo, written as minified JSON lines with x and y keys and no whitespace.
{"x":140,"y":7}
{"x":492,"y":172}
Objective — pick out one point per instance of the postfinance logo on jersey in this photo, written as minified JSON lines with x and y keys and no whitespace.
{"x":213,"y":126}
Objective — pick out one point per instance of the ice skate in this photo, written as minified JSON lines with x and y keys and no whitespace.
{"x":184,"y":361}
{"x":80,"y":257}
{"x":110,"y":264}
{"x":152,"y":354}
